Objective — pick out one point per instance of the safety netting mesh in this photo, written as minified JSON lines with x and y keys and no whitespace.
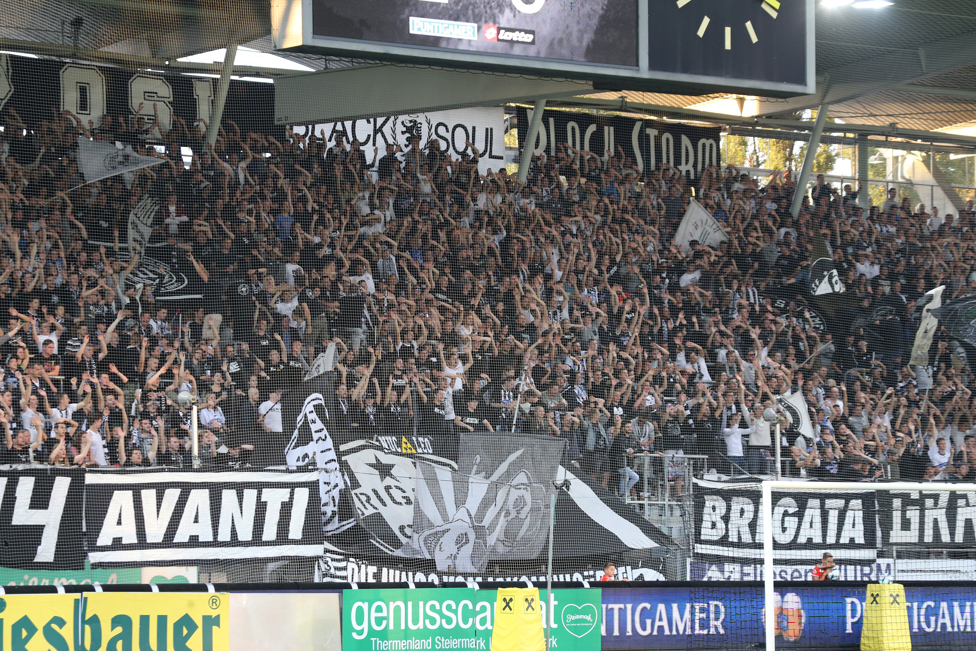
{"x":367,"y":350}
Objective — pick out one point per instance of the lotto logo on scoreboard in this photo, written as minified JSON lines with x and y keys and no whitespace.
{"x":495,"y":33}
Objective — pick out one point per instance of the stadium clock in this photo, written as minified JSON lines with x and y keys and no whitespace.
{"x":763,"y":41}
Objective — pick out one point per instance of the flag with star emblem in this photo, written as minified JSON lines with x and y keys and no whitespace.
{"x":382,"y":487}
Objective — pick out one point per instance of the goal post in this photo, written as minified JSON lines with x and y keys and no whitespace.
{"x":769,"y":592}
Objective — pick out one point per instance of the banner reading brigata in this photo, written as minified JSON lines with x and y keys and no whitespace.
{"x":728,"y":523}
{"x":648,"y":143}
{"x":854,"y":525}
{"x":458,"y":618}
{"x":183,"y":516}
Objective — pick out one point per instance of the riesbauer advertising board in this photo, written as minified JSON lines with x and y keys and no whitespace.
{"x":196,"y":621}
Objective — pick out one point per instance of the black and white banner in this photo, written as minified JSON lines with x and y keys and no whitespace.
{"x":101,"y":159}
{"x":824,"y":278}
{"x":36,"y":87}
{"x":164,"y":517}
{"x":141,"y":219}
{"x":484,"y":127}
{"x":40,"y":519}
{"x":944,"y":519}
{"x":497,"y":502}
{"x":797,"y":412}
{"x":648,"y":143}
{"x":728,"y":524}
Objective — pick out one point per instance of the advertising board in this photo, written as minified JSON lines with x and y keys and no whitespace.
{"x":458,"y":618}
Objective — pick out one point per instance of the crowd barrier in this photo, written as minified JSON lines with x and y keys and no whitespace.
{"x":618,"y":615}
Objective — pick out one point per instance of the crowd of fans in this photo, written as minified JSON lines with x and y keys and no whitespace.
{"x":460,"y":301}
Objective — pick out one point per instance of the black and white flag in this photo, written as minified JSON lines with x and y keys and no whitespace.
{"x":306,"y":416}
{"x":40,"y":519}
{"x":101,"y":159}
{"x":795,"y":407}
{"x":382,"y":486}
{"x":824,"y":278}
{"x":928,"y":325}
{"x":496,"y":504}
{"x":165,"y":517}
{"x":141,"y":222}
{"x":699,"y":225}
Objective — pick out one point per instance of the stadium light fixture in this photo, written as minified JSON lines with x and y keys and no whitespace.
{"x":872,"y":4}
{"x":836,"y":3}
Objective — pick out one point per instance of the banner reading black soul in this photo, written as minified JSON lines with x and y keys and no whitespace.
{"x":34,"y":88}
{"x":165,"y":517}
{"x":647,"y":143}
{"x":40,"y":519}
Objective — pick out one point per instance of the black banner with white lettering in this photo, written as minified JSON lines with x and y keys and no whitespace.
{"x":944,"y":519}
{"x":40,"y":519}
{"x":728,"y":524}
{"x":168,"y":517}
{"x":37,"y":88}
{"x":647,"y":143}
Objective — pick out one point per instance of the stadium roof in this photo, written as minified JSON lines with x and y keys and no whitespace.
{"x":911,"y":64}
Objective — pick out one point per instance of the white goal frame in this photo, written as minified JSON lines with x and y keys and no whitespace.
{"x":767,"y":514}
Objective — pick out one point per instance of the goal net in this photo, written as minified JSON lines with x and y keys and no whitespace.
{"x":861,"y":525}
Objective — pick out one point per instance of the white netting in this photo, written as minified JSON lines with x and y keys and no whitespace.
{"x":620,"y":320}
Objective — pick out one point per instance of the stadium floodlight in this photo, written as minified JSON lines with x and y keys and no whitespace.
{"x":872,"y":4}
{"x":819,"y":490}
{"x":836,"y":3}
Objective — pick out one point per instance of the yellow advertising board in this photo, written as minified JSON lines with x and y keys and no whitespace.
{"x":37,"y":622}
{"x":115,"y":621}
{"x":174,"y":621}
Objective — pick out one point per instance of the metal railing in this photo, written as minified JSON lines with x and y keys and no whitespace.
{"x":665,"y":480}
{"x":919,"y":192}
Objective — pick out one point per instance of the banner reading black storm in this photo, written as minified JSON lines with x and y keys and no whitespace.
{"x":647,"y":143}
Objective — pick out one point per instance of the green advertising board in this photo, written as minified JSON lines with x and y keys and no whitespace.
{"x":458,"y":618}
{"x":88,"y":576}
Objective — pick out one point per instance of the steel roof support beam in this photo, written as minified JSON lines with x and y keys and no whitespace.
{"x":811,"y":155}
{"x":214,"y":127}
{"x":528,"y":147}
{"x":381,"y":90}
{"x":884,"y":72}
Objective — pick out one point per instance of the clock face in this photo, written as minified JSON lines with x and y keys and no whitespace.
{"x":754,"y":40}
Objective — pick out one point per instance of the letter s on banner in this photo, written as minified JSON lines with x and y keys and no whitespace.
{"x":83,"y":92}
{"x":147,"y":90}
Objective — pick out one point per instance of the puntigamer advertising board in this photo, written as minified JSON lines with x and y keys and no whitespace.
{"x":458,"y":618}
